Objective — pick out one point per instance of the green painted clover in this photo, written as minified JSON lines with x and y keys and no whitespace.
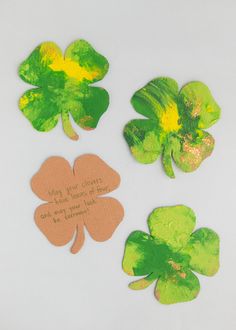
{"x":171,"y":253}
{"x":64,"y":87}
{"x":175,"y":124}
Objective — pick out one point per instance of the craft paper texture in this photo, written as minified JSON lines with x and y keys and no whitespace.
{"x":74,"y":200}
{"x":171,"y":254}
{"x":64,"y":87}
{"x":175,"y":124}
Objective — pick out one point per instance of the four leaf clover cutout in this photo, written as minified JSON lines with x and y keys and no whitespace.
{"x":175,"y":124}
{"x":171,"y":254}
{"x":63,"y":87}
{"x":174,"y":128}
{"x":74,"y":200}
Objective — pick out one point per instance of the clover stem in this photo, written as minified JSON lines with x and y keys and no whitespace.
{"x":68,"y":129}
{"x":79,"y":239}
{"x":143,"y":283}
{"x":167,"y":161}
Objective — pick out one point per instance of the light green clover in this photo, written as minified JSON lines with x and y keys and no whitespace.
{"x":174,"y":128}
{"x":64,"y":87}
{"x":171,"y":253}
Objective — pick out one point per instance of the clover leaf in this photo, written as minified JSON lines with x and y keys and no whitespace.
{"x":64,"y":87}
{"x":171,"y":253}
{"x":174,"y":128}
{"x":75,"y":200}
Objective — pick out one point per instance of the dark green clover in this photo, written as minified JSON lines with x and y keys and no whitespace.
{"x":175,"y":124}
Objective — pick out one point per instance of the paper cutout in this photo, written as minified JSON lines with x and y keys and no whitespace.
{"x":170,"y":253}
{"x":73,"y":200}
{"x":174,"y":128}
{"x":64,"y":87}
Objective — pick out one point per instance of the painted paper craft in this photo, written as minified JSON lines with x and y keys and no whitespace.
{"x":175,"y":124}
{"x":74,"y":200}
{"x":171,"y":254}
{"x":63,"y":87}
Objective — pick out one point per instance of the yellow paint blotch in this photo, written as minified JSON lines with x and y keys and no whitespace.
{"x":52,"y":55}
{"x":23,"y":101}
{"x":169,"y":118}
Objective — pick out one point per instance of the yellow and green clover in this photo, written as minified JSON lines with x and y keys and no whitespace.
{"x":64,"y":87}
{"x":175,"y":124}
{"x":171,"y":254}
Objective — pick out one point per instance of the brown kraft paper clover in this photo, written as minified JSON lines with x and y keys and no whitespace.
{"x":74,"y":200}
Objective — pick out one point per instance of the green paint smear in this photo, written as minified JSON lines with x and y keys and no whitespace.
{"x":174,"y":128}
{"x":64,"y":89}
{"x":170,"y":253}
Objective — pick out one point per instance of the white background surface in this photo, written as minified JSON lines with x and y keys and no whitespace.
{"x":47,"y":288}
